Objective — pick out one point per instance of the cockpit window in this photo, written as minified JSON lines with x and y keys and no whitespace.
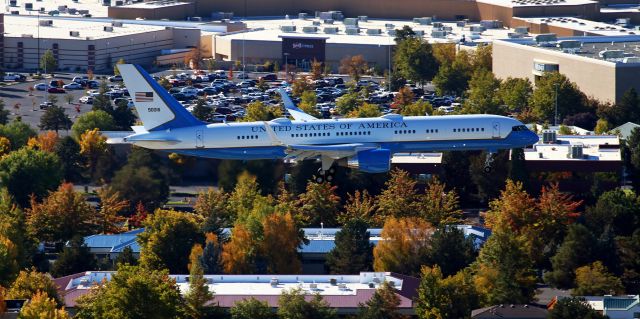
{"x":519,"y":128}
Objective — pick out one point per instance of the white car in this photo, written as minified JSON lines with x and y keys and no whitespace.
{"x":87,"y":99}
{"x":189,"y":91}
{"x":72,"y":86}
{"x":41,"y":86}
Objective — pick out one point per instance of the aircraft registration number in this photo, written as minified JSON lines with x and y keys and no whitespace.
{"x":153,"y":109}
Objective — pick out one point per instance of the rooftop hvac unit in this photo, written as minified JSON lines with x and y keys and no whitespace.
{"x":28,"y":6}
{"x":27,"y":35}
{"x":74,"y":33}
{"x":350,"y":21}
{"x":274,"y":282}
{"x":549,"y":137}
{"x":328,"y":21}
{"x":513,"y":35}
{"x":447,"y":28}
{"x":631,"y":59}
{"x":569,"y":44}
{"x":391,"y":32}
{"x":419,"y":33}
{"x":374,"y":31}
{"x":119,"y":2}
{"x":477,"y":28}
{"x":46,"y":23}
{"x":545,"y":38}
{"x":107,"y":29}
{"x":13,"y":3}
{"x":330,"y":30}
{"x":611,"y":54}
{"x":16,"y":12}
{"x":389,"y":26}
{"x":288,"y":28}
{"x":116,"y":24}
{"x":363,"y":18}
{"x":461,"y":24}
{"x":302,"y":16}
{"x":491,"y":24}
{"x":316,"y":23}
{"x":333,"y":15}
{"x":522,"y":30}
{"x":576,"y":152}
{"x":72,"y":11}
{"x":352,"y":31}
{"x":437,"y":24}
{"x":309,"y":29}
{"x":438,"y":34}
{"x":423,"y":20}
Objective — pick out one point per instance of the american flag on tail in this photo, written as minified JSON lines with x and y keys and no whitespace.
{"x":143,"y":97}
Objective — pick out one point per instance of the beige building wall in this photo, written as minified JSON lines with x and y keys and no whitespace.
{"x":173,"y":12}
{"x":602,"y":80}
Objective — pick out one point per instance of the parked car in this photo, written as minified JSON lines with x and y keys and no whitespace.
{"x":72,"y":86}
{"x":88,"y":99}
{"x":189,"y":91}
{"x":269,"y":77}
{"x":45,"y":105}
{"x":93,"y":84}
{"x":242,"y":75}
{"x":41,"y":86}
{"x":14,"y":77}
{"x":80,"y":79}
{"x":115,"y":78}
{"x":56,"y":90}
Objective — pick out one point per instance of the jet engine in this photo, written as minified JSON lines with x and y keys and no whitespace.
{"x":371,"y":161}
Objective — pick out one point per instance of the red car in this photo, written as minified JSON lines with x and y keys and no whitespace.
{"x":56,"y":90}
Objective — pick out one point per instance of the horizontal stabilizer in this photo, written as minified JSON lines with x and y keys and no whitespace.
{"x":116,"y":137}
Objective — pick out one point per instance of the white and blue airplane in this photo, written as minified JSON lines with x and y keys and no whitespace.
{"x":366,"y":144}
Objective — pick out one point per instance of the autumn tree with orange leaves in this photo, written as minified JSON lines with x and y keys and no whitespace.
{"x":279,"y":246}
{"x":108,"y":218}
{"x":238,"y":255}
{"x":46,"y":141}
{"x":360,"y":205}
{"x":439,"y":206}
{"x":404,"y":246}
{"x":61,"y":215}
{"x":93,"y":146}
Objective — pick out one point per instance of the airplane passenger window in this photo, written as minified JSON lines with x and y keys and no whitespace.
{"x":482,"y":129}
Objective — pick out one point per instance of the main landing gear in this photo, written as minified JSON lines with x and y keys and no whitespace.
{"x":326,"y":172}
{"x":488,"y":162}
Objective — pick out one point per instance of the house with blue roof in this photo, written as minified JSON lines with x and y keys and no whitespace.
{"x":616,"y":307}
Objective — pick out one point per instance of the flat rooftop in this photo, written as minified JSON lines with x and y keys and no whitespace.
{"x":594,"y":148}
{"x":154,"y":4}
{"x":537,"y":3}
{"x":582,"y":25}
{"x":624,"y":49}
{"x":95,"y":7}
{"x":19,"y":26}
{"x":269,"y":30}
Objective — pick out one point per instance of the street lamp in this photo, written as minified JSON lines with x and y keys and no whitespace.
{"x":286,"y":65}
{"x":555,"y":117}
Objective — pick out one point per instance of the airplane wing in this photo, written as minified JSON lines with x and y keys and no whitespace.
{"x":295,"y":112}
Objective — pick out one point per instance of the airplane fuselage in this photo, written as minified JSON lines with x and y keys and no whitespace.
{"x":254,"y":140}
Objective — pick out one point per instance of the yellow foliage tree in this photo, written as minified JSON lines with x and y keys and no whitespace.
{"x":398,"y":197}
{"x":5,"y":146}
{"x":196,"y":253}
{"x":42,"y":307}
{"x":46,"y":141}
{"x":360,"y":205}
{"x":239,"y":253}
{"x":93,"y":146}
{"x":107,"y":218}
{"x":405,"y":241}
{"x":279,"y":246}
{"x":595,"y":280}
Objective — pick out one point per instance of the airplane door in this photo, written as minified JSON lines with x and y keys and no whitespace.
{"x":495,"y":130}
{"x":199,"y":139}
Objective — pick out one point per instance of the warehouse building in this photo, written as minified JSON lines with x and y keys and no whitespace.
{"x":82,"y":45}
{"x":603,"y":67}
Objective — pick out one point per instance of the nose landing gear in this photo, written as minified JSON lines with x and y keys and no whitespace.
{"x":488,"y":162}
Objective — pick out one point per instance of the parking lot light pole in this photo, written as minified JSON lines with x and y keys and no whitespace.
{"x":286,"y":66}
{"x":555,"y":117}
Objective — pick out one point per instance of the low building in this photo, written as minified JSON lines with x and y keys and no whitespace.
{"x":510,"y":312}
{"x":616,"y":307}
{"x":344,"y":293}
{"x":153,"y":10}
{"x":80,"y":45}
{"x":586,"y":153}
{"x":603,"y":67}
{"x":625,"y":130}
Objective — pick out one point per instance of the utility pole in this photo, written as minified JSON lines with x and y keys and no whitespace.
{"x":555,"y":117}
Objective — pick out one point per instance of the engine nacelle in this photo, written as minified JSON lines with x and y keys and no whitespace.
{"x":371,"y":161}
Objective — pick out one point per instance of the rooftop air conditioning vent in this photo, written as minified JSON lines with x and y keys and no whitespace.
{"x":352,"y":31}
{"x":74,"y":33}
{"x":374,"y":31}
{"x":309,"y":29}
{"x":350,"y":22}
{"x":330,"y":30}
{"x":107,"y":29}
{"x":46,"y":23}
{"x":116,"y":24}
{"x":288,"y":28}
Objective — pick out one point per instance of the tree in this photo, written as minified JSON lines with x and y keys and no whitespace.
{"x":438,"y":206}
{"x":201,"y":111}
{"x":503,"y":271}
{"x":123,"y":117}
{"x":279,"y":245}
{"x":55,"y":118}
{"x":353,"y":252}
{"x":414,"y":60}
{"x":355,"y":66}
{"x":252,"y":308}
{"x":258,"y":111}
{"x":404,"y":97}
{"x":40,"y":306}
{"x":308,"y":101}
{"x":107,"y":218}
{"x":14,"y":230}
{"x":45,"y":141}
{"x":5,"y":146}
{"x":628,"y":250}
{"x":91,"y":120}
{"x":198,"y":295}
{"x":405,"y":33}
{"x":383,"y":304}
{"x":602,"y":126}
{"x":141,"y":180}
{"x":454,"y":79}
{"x":133,"y":292}
{"x":61,"y":215}
{"x":213,"y":207}
{"x":48,"y":62}
{"x":94,"y":148}
{"x":167,"y":240}
{"x":404,"y":247}
{"x":238,"y":254}
{"x":4,"y":114}
{"x":483,"y":94}
{"x":211,"y":259}
{"x":445,"y":53}
{"x":68,"y":151}
{"x":126,"y":257}
{"x":569,"y":98}
{"x":445,"y":297}
{"x":74,"y":258}
{"x":365,"y":110}
{"x":26,"y":171}
{"x":18,"y":133}
{"x":8,"y":264}
{"x":292,"y":305}
{"x":398,"y":197}
{"x":102,"y":101}
{"x":417,"y":108}
{"x":316,"y":69}
{"x":576,"y":250}
{"x":574,"y":307}
{"x":30,"y":282}
{"x":482,"y":57}
{"x":360,"y":205}
{"x":616,"y":209}
{"x":595,"y":280}
{"x":320,"y":204}
{"x":633,"y":144}
{"x":348,"y":102}
{"x":451,"y":250}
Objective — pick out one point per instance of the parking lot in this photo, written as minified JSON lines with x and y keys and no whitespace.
{"x":226,"y":97}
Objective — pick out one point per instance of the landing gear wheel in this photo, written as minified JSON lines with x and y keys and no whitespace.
{"x":488,"y":169}
{"x":319,"y":179}
{"x":332,"y":171}
{"x":329,"y":177}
